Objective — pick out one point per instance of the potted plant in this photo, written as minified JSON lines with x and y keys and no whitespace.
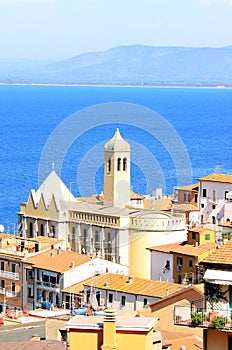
{"x":197,"y":318}
{"x":178,"y":318}
{"x":219,"y":322}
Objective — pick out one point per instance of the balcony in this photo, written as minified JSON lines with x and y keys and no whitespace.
{"x":189,"y":315}
{"x":10,"y":275}
{"x":48,"y":285}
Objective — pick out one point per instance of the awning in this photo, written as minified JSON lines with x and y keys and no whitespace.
{"x":218,"y":276}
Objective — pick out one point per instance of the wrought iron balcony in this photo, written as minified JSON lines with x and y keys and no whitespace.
{"x":191,"y":316}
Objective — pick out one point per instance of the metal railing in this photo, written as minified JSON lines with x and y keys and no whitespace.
{"x":193,"y":316}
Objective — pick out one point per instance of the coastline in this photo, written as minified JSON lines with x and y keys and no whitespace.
{"x":122,"y":86}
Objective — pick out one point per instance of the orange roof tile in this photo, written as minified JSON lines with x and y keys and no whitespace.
{"x":185,"y":248}
{"x":223,"y":255}
{"x":52,"y":261}
{"x":217,"y":178}
{"x":139,"y":286}
{"x":192,"y":187}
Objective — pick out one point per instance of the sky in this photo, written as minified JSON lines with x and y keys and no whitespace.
{"x":59,"y":29}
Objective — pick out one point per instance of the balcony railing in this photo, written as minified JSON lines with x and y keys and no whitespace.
{"x":191,"y":316}
{"x":9,"y":275}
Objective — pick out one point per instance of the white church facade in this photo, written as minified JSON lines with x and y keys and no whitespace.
{"x":110,"y":228}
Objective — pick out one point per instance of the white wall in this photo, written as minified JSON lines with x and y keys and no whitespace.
{"x":158,"y":262}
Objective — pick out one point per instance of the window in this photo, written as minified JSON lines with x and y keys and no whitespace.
{"x":213,"y":220}
{"x":204,"y":192}
{"x":119,"y":164}
{"x":190,"y":263}
{"x":109,"y":165}
{"x":41,"y":230}
{"x":214,"y":195}
{"x":110,"y":297}
{"x":202,"y":205}
{"x":213,"y":206}
{"x":13,"y":287}
{"x":195,"y":197}
{"x":144,"y":302}
{"x":187,"y":197}
{"x":98,"y":297}
{"x":29,"y":274}
{"x":193,"y":235}
{"x":123,"y":300}
{"x":2,"y":265}
{"x":29,"y":292}
{"x":167,"y":265}
{"x":179,"y":279}
{"x":226,"y":194}
{"x":31,"y":230}
{"x":179,"y":261}
{"x":13,"y":268}
{"x":124,"y":164}
{"x":207,"y":236}
{"x":2,"y":284}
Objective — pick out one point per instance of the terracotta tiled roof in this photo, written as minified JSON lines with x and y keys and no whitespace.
{"x":184,"y":248}
{"x":134,"y":195}
{"x":223,"y":255}
{"x":158,"y":204}
{"x":128,"y":322}
{"x":119,"y":283}
{"x":52,"y":261}
{"x":217,"y":178}
{"x":189,"y":293}
{"x":192,"y":187}
{"x":185,"y":207}
{"x":226,"y":224}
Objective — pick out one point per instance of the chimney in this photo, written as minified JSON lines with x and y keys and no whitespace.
{"x":109,"y":330}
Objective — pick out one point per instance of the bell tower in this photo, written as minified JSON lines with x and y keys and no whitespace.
{"x":117,"y":171}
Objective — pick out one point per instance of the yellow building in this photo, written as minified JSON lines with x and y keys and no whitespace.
{"x":112,"y":332}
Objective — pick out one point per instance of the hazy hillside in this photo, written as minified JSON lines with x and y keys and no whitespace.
{"x":130,"y":65}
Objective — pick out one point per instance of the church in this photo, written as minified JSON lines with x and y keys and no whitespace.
{"x":114,"y":226}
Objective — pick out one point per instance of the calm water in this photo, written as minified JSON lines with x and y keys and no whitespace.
{"x":29,"y":115}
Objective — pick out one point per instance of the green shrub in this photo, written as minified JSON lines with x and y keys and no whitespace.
{"x":197,"y":317}
{"x":219,"y":322}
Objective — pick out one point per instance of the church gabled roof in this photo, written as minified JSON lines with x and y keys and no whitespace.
{"x":54,"y":185}
{"x":117,"y":143}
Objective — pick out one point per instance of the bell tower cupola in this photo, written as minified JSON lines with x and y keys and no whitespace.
{"x":117,"y":171}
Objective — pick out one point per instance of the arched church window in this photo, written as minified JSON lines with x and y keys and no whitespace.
{"x":119,"y":164}
{"x":109,"y":165}
{"x":31,"y":229}
{"x":124,"y":164}
{"x":41,"y":230}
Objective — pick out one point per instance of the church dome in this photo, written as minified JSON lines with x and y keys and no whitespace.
{"x":117,"y":143}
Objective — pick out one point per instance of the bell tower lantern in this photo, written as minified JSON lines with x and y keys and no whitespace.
{"x":117,"y":171}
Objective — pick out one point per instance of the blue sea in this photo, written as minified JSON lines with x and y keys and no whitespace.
{"x":176,"y":136}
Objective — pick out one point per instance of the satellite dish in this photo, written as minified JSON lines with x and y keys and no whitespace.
{"x":1,"y":229}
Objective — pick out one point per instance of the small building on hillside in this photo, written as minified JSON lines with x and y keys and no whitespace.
{"x":46,"y":274}
{"x":122,"y":293}
{"x":178,"y":262}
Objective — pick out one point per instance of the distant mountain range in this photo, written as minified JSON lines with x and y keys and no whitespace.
{"x":129,"y":65}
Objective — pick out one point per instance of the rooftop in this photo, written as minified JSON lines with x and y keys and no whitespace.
{"x":185,"y":248}
{"x":217,"y":178}
{"x":57,"y":260}
{"x":117,"y":143}
{"x":192,"y":187}
{"x":223,"y":255}
{"x":133,"y":285}
{"x":122,"y":322}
